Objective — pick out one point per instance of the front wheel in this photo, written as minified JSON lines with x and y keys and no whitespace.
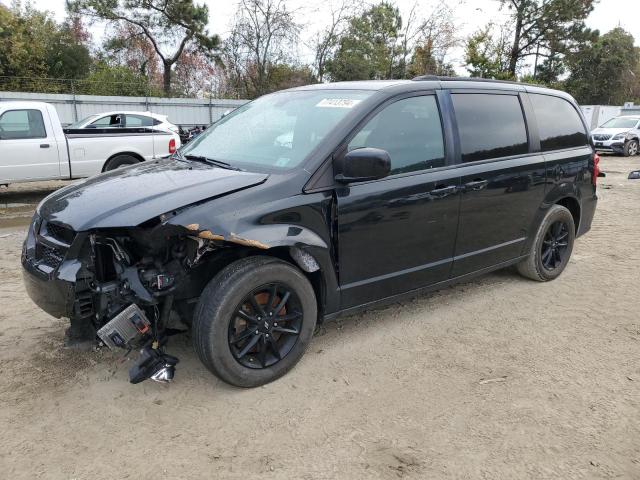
{"x":254,"y":321}
{"x":630,"y":148}
{"x":551,"y":247}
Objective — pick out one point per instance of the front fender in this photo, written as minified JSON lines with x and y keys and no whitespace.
{"x":301,"y":222}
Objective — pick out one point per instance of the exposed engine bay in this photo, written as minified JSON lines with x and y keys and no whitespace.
{"x":136,"y":287}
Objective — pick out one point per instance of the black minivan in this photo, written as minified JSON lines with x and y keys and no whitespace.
{"x":307,"y":204}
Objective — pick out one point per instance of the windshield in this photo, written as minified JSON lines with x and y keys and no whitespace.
{"x":79,"y":123}
{"x":275,"y":131}
{"x":620,"y":122}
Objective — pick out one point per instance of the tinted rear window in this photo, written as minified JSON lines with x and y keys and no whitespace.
{"x":490,"y":125}
{"x":559,"y":124}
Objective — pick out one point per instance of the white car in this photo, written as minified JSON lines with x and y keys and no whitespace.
{"x":34,"y":146}
{"x":619,"y":135}
{"x":124,"y":119}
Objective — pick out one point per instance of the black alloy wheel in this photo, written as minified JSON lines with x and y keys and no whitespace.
{"x":265,"y":326}
{"x":551,"y":246}
{"x":254,"y":320}
{"x":555,"y":245}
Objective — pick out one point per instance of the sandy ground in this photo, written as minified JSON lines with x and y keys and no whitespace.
{"x":500,"y":378}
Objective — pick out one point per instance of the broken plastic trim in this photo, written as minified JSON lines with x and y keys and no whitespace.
{"x":232,"y":237}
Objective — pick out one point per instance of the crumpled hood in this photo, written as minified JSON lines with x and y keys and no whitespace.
{"x":129,"y":196}
{"x":609,"y":131}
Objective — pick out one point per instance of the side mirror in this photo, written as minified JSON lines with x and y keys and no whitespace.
{"x":363,"y":164}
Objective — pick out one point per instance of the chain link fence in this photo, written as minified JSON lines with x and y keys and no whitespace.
{"x":138,"y":88}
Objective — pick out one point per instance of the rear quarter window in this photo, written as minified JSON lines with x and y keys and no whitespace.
{"x":559,"y":123}
{"x":134,"y":121}
{"x":489,"y":125}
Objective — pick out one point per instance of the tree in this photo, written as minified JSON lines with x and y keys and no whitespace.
{"x":539,"y":23}
{"x":434,"y":37}
{"x":369,"y":50}
{"x":196,"y":75}
{"x":327,"y":40}
{"x":65,"y":57}
{"x":171,"y":26}
{"x":128,"y":47}
{"x":487,"y":53}
{"x":424,"y":62}
{"x":261,"y":39}
{"x":34,"y":46}
{"x":108,"y":79}
{"x":603,"y":72}
{"x":287,"y":76}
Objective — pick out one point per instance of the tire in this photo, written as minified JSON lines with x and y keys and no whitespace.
{"x":630,"y":148}
{"x":541,"y":265}
{"x":120,"y":161}
{"x":216,"y":322}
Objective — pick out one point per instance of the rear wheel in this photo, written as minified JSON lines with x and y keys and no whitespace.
{"x":552,"y":246}
{"x":254,"y":321}
{"x":120,"y":161}
{"x":631,"y":148}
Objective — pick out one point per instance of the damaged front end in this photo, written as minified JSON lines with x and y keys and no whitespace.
{"x":129,"y":287}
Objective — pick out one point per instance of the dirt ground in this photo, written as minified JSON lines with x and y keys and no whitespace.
{"x":499,"y":378}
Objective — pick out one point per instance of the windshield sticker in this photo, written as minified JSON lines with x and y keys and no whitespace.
{"x":338,"y":103}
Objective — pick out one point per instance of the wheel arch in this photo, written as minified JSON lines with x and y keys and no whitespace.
{"x":573,"y":205}
{"x":317,"y":277}
{"x":135,"y":155}
{"x":565,"y":199}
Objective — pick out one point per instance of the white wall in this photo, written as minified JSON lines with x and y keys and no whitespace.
{"x":596,"y":115}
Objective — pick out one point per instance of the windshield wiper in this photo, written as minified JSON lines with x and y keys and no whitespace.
{"x":212,"y":161}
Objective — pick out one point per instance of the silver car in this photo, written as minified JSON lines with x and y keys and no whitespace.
{"x":619,"y":135}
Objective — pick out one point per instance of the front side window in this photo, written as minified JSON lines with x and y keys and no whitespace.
{"x":490,"y":125}
{"x":134,"y":121}
{"x":559,"y":124}
{"x":110,"y":121}
{"x":409,"y":130}
{"x":18,"y":124}
{"x":277,"y":131}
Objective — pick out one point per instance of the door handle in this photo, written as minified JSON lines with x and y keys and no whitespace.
{"x":44,"y":145}
{"x":443,"y":191}
{"x":476,"y":185}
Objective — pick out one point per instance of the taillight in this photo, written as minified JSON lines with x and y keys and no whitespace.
{"x":172,"y":145}
{"x":596,"y":168}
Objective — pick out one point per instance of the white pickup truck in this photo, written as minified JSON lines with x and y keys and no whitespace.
{"x":34,"y":146}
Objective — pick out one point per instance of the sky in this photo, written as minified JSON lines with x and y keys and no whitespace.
{"x":469,"y":15}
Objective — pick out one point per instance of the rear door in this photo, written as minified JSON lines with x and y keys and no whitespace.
{"x":502,"y":178}
{"x":397,"y":234}
{"x":565,"y":144}
{"x":28,"y":147}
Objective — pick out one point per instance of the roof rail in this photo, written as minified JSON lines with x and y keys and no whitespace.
{"x":466,"y":79}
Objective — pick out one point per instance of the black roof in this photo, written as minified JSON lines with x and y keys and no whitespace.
{"x":434,"y":81}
